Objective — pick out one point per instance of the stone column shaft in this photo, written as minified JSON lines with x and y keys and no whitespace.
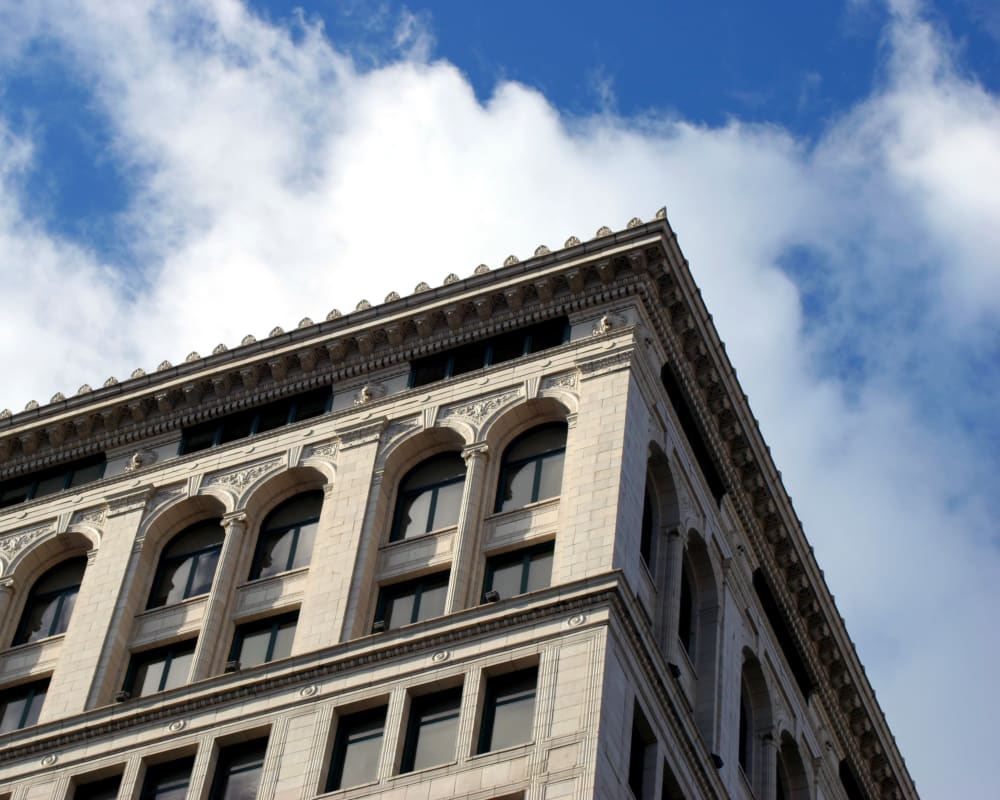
{"x":468,"y":537}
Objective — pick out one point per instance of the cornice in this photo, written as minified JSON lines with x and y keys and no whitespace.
{"x":758,"y":496}
{"x":372,"y":338}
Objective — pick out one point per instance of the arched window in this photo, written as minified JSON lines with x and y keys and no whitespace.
{"x":746,"y":732}
{"x":286,"y":537}
{"x":430,"y":497}
{"x":686,"y":612}
{"x":187,"y":564}
{"x":532,"y":466}
{"x":646,"y":533}
{"x":51,"y":601}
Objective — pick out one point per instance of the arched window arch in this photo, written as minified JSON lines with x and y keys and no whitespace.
{"x":531,"y":467}
{"x":286,"y":537}
{"x":187,"y":564}
{"x":50,"y":603}
{"x":429,"y":497}
{"x":792,"y":782}
{"x":755,"y":722}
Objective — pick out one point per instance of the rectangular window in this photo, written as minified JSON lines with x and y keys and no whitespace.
{"x":432,"y":730}
{"x":357,"y":748}
{"x":98,"y":788}
{"x":522,"y":571}
{"x":642,"y":757}
{"x":405,"y":603}
{"x":238,"y":771}
{"x":167,"y":781}
{"x":508,"y":710}
{"x":21,"y":705}
{"x":484,"y":353}
{"x":161,"y":669}
{"x":264,"y":640}
{"x":261,"y":419}
{"x":38,"y":484}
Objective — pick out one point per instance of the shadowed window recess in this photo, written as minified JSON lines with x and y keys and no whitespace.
{"x":487,"y":352}
{"x":58,"y":479}
{"x":158,"y":670}
{"x":432,"y":730}
{"x":286,"y":537}
{"x":412,"y":601}
{"x":21,"y":705}
{"x":238,"y":771}
{"x":357,"y":748}
{"x":531,"y":467}
{"x":98,"y":789}
{"x":519,"y":572}
{"x":261,"y":419}
{"x":508,"y":710}
{"x":167,"y":781}
{"x":264,"y":640}
{"x":430,"y":497}
{"x":50,"y":603}
{"x":187,"y":564}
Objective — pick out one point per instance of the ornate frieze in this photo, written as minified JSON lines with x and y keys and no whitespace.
{"x":240,"y":479}
{"x":13,"y":544}
{"x":479,"y":410}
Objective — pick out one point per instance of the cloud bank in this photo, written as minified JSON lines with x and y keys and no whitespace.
{"x":853,"y":278}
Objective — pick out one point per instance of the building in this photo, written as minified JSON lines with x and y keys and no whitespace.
{"x":517,"y":536}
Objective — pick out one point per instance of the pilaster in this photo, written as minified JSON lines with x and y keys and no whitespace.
{"x":468,"y":539}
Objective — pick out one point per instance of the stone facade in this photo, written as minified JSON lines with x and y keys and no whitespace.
{"x":685,"y":644}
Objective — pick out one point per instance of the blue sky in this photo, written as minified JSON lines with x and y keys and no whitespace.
{"x":175,"y":175}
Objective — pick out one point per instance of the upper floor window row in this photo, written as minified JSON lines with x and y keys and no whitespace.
{"x":485,"y":353}
{"x":38,"y":484}
{"x":264,"y":418}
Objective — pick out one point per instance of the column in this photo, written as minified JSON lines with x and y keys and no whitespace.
{"x":212,"y":639}
{"x":467,"y":548}
{"x":6,"y":595}
{"x":671,"y":593}
{"x":769,"y":767}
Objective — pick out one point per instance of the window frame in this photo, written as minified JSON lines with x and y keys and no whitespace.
{"x":29,"y":692}
{"x":60,"y":595}
{"x":197,"y":553}
{"x":509,"y":557}
{"x":347,"y":724}
{"x":444,"y":705}
{"x":87,"y":783}
{"x":273,"y":625}
{"x":403,"y":494}
{"x":225,"y":754}
{"x":492,"y":695}
{"x":265,"y":535}
{"x":170,"y":651}
{"x":149,"y":792}
{"x":31,"y":481}
{"x":392,"y":591}
{"x":507,"y":466}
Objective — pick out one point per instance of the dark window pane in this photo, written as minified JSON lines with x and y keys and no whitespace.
{"x":187,"y":565}
{"x":51,"y":484}
{"x":158,"y":670}
{"x":273,"y":416}
{"x":357,"y":749}
{"x":87,"y":474}
{"x":274,"y":551}
{"x":549,"y":334}
{"x":508,"y":346}
{"x":167,"y":781}
{"x":50,"y":603}
{"x":199,"y":437}
{"x":433,"y":726}
{"x":428,"y":370}
{"x":237,"y":774}
{"x":304,"y":545}
{"x":265,"y":640}
{"x":540,"y":571}
{"x":12,"y":495}
{"x":237,"y":426}
{"x":642,"y":756}
{"x":103,"y":789}
{"x":507,"y":579}
{"x":299,"y":509}
{"x":508,"y":710}
{"x":646,"y":531}
{"x":312,"y":404}
{"x":550,"y":479}
{"x":413,"y":514}
{"x":531,"y":468}
{"x":405,"y":603}
{"x":21,"y":705}
{"x":447,"y":505}
{"x":468,"y":358}
{"x":685,"y":627}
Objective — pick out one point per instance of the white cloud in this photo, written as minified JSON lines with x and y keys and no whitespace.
{"x":275,"y":180}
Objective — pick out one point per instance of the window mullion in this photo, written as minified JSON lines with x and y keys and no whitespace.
{"x":167,"y":659}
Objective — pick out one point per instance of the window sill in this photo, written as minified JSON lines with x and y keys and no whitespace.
{"x":437,"y":532}
{"x":526,"y":508}
{"x":187,"y":601}
{"x":278,"y":577}
{"x":503,"y":751}
{"x":25,"y":646}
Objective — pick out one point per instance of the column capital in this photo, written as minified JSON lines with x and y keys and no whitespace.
{"x":7,"y":585}
{"x":235,"y":522}
{"x":478,"y":451}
